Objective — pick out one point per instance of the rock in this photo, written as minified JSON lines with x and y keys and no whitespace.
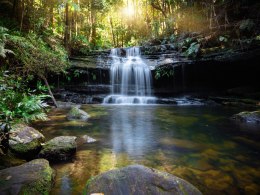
{"x":182,"y":144}
{"x":25,"y":141}
{"x":4,"y":137}
{"x":66,"y":104}
{"x":34,"y":177}
{"x":247,"y":142}
{"x":10,"y":160}
{"x":77,"y":114}
{"x":85,"y":139}
{"x":60,"y":148}
{"x":248,"y":117}
{"x":137,"y":179}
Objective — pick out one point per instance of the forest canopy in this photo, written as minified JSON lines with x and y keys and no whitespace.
{"x":98,"y":24}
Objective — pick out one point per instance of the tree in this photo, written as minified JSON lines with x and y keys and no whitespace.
{"x":34,"y":56}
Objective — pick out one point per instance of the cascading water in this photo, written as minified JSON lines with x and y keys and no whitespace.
{"x":130,"y":79}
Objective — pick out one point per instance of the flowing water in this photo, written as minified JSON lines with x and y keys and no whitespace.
{"x":197,"y":143}
{"x":130,"y":78}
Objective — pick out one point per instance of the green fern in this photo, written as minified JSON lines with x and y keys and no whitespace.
{"x":3,"y":35}
{"x":19,"y":103}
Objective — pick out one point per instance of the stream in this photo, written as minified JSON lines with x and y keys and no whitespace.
{"x":197,"y":143}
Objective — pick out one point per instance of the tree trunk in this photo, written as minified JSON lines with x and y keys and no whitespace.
{"x":67,"y":29}
{"x":49,"y":90}
{"x":93,"y":27}
{"x":22,"y":16}
{"x":14,"y":11}
{"x":112,"y":29}
{"x":51,"y":18}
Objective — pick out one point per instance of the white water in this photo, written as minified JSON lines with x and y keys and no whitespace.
{"x":130,"y":79}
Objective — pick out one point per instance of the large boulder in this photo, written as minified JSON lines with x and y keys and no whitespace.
{"x":248,"y":117}
{"x":137,"y":179}
{"x":24,"y":140}
{"x":60,"y":148}
{"x":34,"y":177}
{"x":77,"y":114}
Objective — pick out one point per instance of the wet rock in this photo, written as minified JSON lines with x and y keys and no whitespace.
{"x":209,"y":181}
{"x":4,"y":136}
{"x":10,"y":160}
{"x":66,"y":104}
{"x":137,"y":179}
{"x":77,"y":114}
{"x":85,"y":139}
{"x":247,"y":142}
{"x":181,"y":144}
{"x":34,"y":177}
{"x":25,"y":141}
{"x":248,"y":117}
{"x":60,"y":148}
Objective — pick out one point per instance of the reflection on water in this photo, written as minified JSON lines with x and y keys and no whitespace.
{"x":132,"y":131}
{"x":199,"y":144}
{"x":65,"y":185}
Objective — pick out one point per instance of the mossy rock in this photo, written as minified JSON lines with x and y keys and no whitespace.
{"x":248,"y":117}
{"x":77,"y":114}
{"x":137,"y":179}
{"x":60,"y":148}
{"x":34,"y":177}
{"x":25,"y":141}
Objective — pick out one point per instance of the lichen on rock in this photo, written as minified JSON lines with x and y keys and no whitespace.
{"x":77,"y":114}
{"x":247,"y":117}
{"x":24,"y":140}
{"x":60,"y":148}
{"x":137,"y":179}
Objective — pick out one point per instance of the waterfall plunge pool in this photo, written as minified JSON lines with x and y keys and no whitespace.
{"x":197,"y":143}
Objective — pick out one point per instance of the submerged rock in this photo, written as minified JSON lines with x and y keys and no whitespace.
{"x":248,"y":117}
{"x":34,"y":177}
{"x":60,"y":148}
{"x":77,"y":114}
{"x":137,"y":179}
{"x":85,"y":139}
{"x":10,"y":160}
{"x":24,"y":140}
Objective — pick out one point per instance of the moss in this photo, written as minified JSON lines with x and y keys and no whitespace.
{"x":26,"y":148}
{"x":43,"y":185}
{"x":75,"y":112}
{"x":95,"y":111}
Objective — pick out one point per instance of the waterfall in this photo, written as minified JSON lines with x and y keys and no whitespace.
{"x":130,"y":78}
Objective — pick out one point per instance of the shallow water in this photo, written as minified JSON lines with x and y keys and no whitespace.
{"x":197,"y":143}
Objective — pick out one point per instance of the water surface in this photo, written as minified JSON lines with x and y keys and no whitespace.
{"x":197,"y":143}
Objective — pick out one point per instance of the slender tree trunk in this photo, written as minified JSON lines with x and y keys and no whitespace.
{"x":51,"y":17}
{"x":93,"y":27}
{"x":49,"y":90}
{"x":14,"y":11}
{"x":22,"y":16}
{"x":112,"y":29}
{"x":77,"y":18}
{"x":67,"y":30}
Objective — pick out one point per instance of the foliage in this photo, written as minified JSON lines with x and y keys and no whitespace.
{"x":86,"y":25}
{"x":223,"y":39}
{"x":246,"y":25}
{"x":193,"y":50}
{"x":3,"y":35}
{"x":190,"y":47}
{"x":18,"y":103}
{"x":35,"y":56}
{"x":164,"y":71}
